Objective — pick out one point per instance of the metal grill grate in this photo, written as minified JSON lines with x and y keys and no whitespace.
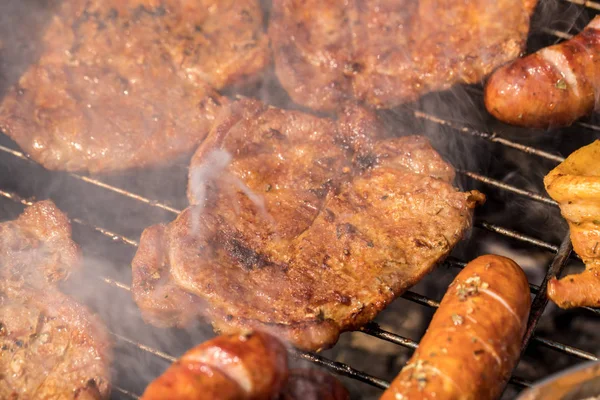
{"x":562,"y":252}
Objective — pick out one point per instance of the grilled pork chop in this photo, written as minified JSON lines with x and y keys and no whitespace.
{"x":131,"y":83}
{"x":50,"y":346}
{"x":389,"y":52}
{"x":311,"y":229}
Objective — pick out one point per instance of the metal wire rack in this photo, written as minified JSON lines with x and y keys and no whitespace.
{"x":561,"y":252}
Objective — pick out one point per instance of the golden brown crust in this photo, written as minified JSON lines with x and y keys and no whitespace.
{"x":575,"y":185}
{"x":386,"y":53}
{"x":50,"y":346}
{"x":552,"y":87}
{"x":242,"y":366}
{"x":474,"y":339}
{"x":304,"y":226}
{"x":124,"y":84}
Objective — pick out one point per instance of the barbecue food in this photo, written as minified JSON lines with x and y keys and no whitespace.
{"x":244,"y":366}
{"x":36,"y":247}
{"x":552,"y":87}
{"x":575,"y":185}
{"x":388,"y":53}
{"x":252,"y":365}
{"x":302,"y":226}
{"x":50,"y":346}
{"x":310,"y":384}
{"x":123,"y":84}
{"x":474,"y":339}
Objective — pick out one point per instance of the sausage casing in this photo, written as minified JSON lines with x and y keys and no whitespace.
{"x":474,"y":339}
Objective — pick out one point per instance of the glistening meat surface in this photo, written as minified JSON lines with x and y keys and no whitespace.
{"x":51,"y":347}
{"x":387,"y":52}
{"x":131,"y":83}
{"x":308,"y":229}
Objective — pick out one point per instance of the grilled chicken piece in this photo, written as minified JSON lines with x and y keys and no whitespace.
{"x":302,"y":226}
{"x":390,"y":52}
{"x":131,"y":83}
{"x":50,"y":346}
{"x":552,"y":87}
{"x":243,"y":366}
{"x":575,"y":185}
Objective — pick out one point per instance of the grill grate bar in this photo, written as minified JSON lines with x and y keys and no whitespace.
{"x":586,"y":3}
{"x":516,"y":235}
{"x":492,"y":137}
{"x":157,"y":353}
{"x":341,"y":369}
{"x":101,"y":184}
{"x":541,"y":300}
{"x":557,"y":33}
{"x":565,"y":349}
{"x":510,"y":188}
{"x":125,"y":392}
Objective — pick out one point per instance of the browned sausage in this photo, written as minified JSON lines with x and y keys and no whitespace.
{"x":310,"y":384}
{"x":474,"y":339}
{"x":552,"y":87}
{"x":252,"y":366}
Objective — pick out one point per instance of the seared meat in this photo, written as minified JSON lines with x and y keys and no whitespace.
{"x":389,"y":52}
{"x":575,"y":185}
{"x":308,"y":229}
{"x":50,"y":346}
{"x":36,"y":247}
{"x":125,"y":84}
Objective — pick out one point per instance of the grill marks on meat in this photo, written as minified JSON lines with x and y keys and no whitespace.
{"x":125,"y":84}
{"x":50,"y":346}
{"x":327,"y":245}
{"x":389,"y":52}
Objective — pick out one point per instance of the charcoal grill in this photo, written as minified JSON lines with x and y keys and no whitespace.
{"x":109,"y":213}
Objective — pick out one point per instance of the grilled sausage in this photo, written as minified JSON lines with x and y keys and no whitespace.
{"x":473,"y":341}
{"x":552,"y":87}
{"x":310,"y":384}
{"x":252,"y":366}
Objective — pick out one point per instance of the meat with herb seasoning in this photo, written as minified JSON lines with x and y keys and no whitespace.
{"x":553,"y":87}
{"x":51,"y":347}
{"x":575,"y":185}
{"x":385,"y":53}
{"x":131,"y":83}
{"x":474,"y":339}
{"x":310,"y":227}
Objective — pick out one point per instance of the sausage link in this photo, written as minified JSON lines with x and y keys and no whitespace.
{"x":549,"y":88}
{"x":473,"y":341}
{"x":252,"y":366}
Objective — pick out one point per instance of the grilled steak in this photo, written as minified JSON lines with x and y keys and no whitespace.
{"x":389,"y":52}
{"x":36,"y":247}
{"x":312,"y":228}
{"x":124,"y":84}
{"x":50,"y":346}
